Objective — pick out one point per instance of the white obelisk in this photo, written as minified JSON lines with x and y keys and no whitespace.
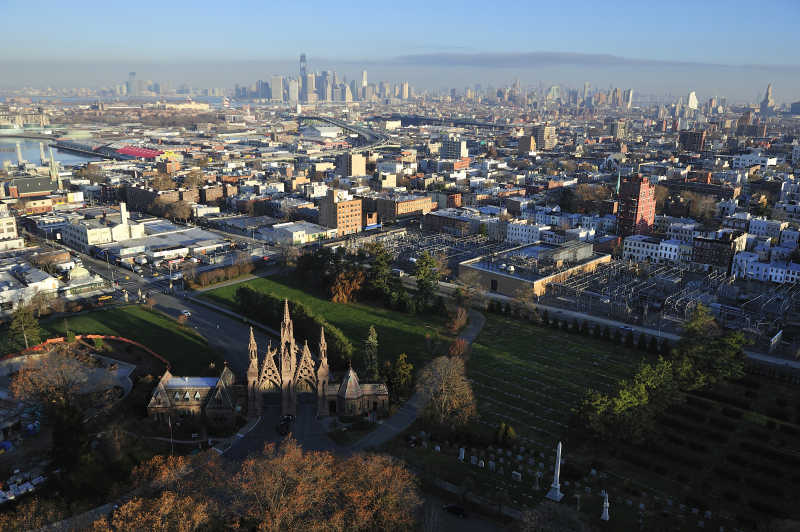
{"x":605,"y":516}
{"x":555,"y":489}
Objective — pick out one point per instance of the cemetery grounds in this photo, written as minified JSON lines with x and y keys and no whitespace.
{"x":726,"y":457}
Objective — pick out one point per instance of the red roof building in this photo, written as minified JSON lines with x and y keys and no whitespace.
{"x":139,"y":153}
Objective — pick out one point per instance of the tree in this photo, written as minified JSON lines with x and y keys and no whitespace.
{"x":163,"y":182}
{"x":169,"y":512}
{"x":459,"y":348}
{"x":31,"y":514}
{"x":458,"y":320}
{"x":179,"y":210}
{"x":371,"y":355}
{"x":284,"y":488}
{"x":400,"y":377}
{"x":380,"y":273}
{"x":427,"y":280}
{"x":24,"y":329}
{"x":446,"y":392}
{"x":346,"y":286}
{"x":55,"y":382}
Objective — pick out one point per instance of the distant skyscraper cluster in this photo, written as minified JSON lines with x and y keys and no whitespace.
{"x":325,"y":86}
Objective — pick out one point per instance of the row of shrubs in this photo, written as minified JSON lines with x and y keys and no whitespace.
{"x":646,"y":343}
{"x":268,"y":309}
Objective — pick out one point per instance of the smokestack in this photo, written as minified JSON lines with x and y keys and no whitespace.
{"x":123,"y":212}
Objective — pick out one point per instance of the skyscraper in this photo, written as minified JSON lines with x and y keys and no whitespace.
{"x":691,"y":101}
{"x":363,"y":79}
{"x":303,"y":66}
{"x":293,"y":92}
{"x":767,"y":104}
{"x":637,"y":209}
{"x":276,"y":88}
{"x":627,"y":98}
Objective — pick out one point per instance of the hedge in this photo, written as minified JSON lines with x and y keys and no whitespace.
{"x":268,"y":309}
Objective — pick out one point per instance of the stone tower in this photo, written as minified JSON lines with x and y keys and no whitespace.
{"x":322,"y":376}
{"x":253,"y":405}
{"x":288,"y":355}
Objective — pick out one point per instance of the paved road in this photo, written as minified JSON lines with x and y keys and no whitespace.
{"x":309,"y":431}
{"x":225,"y":334}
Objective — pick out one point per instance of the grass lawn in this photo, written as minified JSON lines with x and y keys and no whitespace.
{"x":397,"y":332}
{"x":188,"y":352}
{"x":531,"y":377}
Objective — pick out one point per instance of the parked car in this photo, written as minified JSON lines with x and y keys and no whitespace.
{"x":186,"y":313}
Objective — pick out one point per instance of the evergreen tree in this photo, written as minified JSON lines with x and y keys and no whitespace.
{"x":24,"y":330}
{"x":401,"y":376}
{"x":427,"y":276}
{"x":371,"y":355}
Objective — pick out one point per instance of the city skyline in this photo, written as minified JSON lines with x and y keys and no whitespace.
{"x":690,"y":49}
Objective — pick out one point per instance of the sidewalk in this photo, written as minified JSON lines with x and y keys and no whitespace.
{"x":408,"y":413}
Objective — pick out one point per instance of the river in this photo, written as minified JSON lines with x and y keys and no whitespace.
{"x":30,"y":152}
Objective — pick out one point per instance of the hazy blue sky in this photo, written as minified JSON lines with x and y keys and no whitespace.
{"x":111,"y":35}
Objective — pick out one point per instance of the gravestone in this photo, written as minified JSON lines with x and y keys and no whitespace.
{"x":605,"y":516}
{"x":536,"y":478}
{"x":541,"y":465}
{"x":461,"y":454}
{"x":473,"y":460}
{"x":593,"y":472}
{"x":481,"y":464}
{"x":588,"y":490}
{"x":437,"y":449}
{"x":516,"y":475}
{"x":707,"y":515}
{"x":491,"y":466}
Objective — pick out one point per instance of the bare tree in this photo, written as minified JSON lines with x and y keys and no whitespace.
{"x":55,"y":379}
{"x":446,"y":393}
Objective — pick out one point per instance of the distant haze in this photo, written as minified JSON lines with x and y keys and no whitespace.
{"x":728,"y":48}
{"x":438,"y":71}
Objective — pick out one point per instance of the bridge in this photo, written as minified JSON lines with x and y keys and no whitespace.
{"x":419,"y":120}
{"x":373,"y":139}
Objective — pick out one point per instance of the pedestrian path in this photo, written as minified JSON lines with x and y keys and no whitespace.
{"x":409,"y":411}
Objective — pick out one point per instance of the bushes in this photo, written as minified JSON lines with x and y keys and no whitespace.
{"x":268,"y":310}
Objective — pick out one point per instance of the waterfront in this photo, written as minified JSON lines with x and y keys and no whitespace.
{"x":30,"y":152}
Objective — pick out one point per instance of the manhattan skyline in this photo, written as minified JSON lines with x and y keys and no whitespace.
{"x":670,"y":49}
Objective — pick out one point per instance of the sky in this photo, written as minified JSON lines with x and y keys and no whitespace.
{"x":656,"y":46}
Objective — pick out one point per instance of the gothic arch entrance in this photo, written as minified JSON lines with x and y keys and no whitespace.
{"x":289,"y":373}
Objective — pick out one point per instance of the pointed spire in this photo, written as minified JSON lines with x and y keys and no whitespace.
{"x":252,"y":346}
{"x":323,"y":346}
{"x":286,"y":318}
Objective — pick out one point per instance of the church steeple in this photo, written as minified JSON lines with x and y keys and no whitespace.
{"x":252,"y":347}
{"x":323,"y":347}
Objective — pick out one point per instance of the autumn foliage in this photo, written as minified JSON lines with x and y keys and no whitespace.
{"x":458,"y":320}
{"x":281,"y":488}
{"x":346,"y":286}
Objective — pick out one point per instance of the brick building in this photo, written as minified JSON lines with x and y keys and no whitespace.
{"x":637,"y":209}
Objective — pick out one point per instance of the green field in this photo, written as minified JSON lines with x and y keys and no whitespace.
{"x":532,"y":377}
{"x":397,"y":332}
{"x":188,"y":353}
